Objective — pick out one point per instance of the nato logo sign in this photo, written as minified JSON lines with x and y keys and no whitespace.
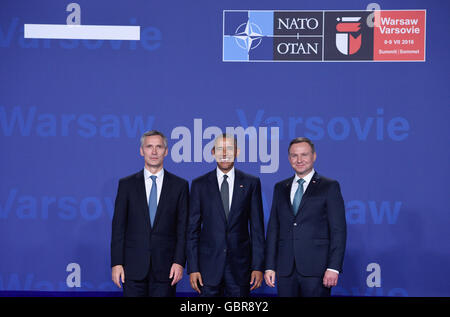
{"x":267,"y":36}
{"x":248,"y":35}
{"x":298,"y":36}
{"x":272,"y":35}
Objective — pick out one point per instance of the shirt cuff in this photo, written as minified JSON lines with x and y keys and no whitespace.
{"x":333,"y":271}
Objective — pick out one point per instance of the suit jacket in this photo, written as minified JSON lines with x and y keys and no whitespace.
{"x":212,"y":239}
{"x":315,"y":238}
{"x":136,"y":245}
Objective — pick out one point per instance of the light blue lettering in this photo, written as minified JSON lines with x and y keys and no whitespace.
{"x":67,"y":208}
{"x":5,"y":40}
{"x":314,"y":124}
{"x":396,"y":126}
{"x":87,"y":121}
{"x":17,"y":119}
{"x":5,"y":210}
{"x":14,"y":282}
{"x":150,"y":38}
{"x":332,"y":128}
{"x":385,"y":211}
{"x":46,"y":125}
{"x":243,"y":118}
{"x":137,"y":127}
{"x":110,"y":127}
{"x":362,"y":132}
{"x":91,"y":213}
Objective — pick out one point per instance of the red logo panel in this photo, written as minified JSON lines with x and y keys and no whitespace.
{"x":400,"y":36}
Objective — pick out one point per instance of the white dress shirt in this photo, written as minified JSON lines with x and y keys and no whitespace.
{"x":294,"y":186}
{"x":149,"y":183}
{"x":230,"y":181}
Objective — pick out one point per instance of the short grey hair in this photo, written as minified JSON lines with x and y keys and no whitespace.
{"x":151,"y":133}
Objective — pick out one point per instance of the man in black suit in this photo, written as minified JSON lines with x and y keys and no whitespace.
{"x":149,"y":225}
{"x":306,"y":233}
{"x":225,"y":240}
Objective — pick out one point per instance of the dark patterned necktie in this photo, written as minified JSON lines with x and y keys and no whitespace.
{"x":225,"y":194}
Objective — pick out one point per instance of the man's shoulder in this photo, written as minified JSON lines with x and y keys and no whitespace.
{"x":202,"y":178}
{"x":175,"y":178}
{"x":238,"y":174}
{"x":284,"y":182}
{"x":132,"y":177}
{"x":246,"y":176}
{"x":324,"y":179}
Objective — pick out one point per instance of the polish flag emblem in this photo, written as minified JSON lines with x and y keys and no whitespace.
{"x":346,"y":43}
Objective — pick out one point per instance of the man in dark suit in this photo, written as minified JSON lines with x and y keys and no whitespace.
{"x":225,"y":240}
{"x":306,"y":233}
{"x":149,"y":225}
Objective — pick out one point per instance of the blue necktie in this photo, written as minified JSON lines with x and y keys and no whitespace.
{"x":298,"y":196}
{"x":152,"y":200}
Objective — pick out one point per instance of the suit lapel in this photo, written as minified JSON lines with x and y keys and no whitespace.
{"x":310,"y":190}
{"x":215,"y":194}
{"x":140,"y":188}
{"x":287,"y":192}
{"x":238,"y":189}
{"x":164,"y":196}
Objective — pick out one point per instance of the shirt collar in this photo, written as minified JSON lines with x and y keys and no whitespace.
{"x":307,"y":178}
{"x":159,"y":175}
{"x":220,"y":174}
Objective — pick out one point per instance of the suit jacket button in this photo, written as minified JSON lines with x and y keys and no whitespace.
{"x":295,"y":224}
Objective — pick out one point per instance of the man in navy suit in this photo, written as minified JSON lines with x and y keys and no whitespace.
{"x":306,"y":233}
{"x":149,"y":225}
{"x":225,"y":239}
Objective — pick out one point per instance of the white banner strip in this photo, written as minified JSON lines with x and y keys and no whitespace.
{"x":351,"y":19}
{"x":82,"y":32}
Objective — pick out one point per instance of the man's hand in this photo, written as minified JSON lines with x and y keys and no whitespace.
{"x":269,"y":277}
{"x":194,"y":278}
{"x":176,"y":272}
{"x":330,"y":278}
{"x":256,"y":279}
{"x":118,"y":275}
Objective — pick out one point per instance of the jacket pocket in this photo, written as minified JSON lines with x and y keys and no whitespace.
{"x":321,"y":241}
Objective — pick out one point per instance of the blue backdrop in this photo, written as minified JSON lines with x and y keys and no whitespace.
{"x":72,"y":112}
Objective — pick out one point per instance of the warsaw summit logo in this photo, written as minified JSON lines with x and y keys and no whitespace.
{"x":319,"y":36}
{"x":345,"y":42}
